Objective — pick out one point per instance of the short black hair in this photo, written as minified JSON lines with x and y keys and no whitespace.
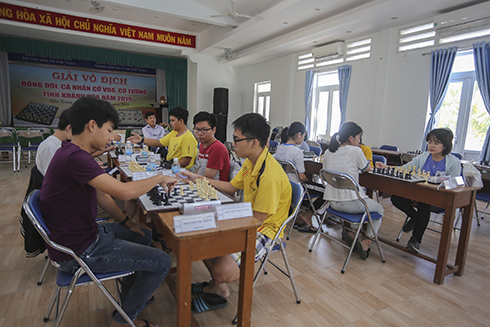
{"x":65,"y":120}
{"x":206,"y":116}
{"x":179,"y":113}
{"x":87,"y":108}
{"x":443,"y":135}
{"x":254,"y":125}
{"x":149,"y":114}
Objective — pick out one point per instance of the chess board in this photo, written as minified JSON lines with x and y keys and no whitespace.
{"x":38,"y":113}
{"x":175,"y":200}
{"x":412,"y":178}
{"x":131,"y":117}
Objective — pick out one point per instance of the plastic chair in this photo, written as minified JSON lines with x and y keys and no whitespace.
{"x":7,"y":142}
{"x":278,"y":245}
{"x":290,"y":168}
{"x":345,"y":182}
{"x":389,"y":147}
{"x":28,"y":140}
{"x":378,"y":158}
{"x":316,"y":149}
{"x":273,"y":146}
{"x":83,"y":276}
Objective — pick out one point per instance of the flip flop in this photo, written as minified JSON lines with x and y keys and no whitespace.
{"x":360,"y":251}
{"x":147,"y":324}
{"x":207,"y":302}
{"x":197,"y":288}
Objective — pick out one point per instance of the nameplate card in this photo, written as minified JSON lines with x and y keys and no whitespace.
{"x":234,"y":211}
{"x":192,"y":223}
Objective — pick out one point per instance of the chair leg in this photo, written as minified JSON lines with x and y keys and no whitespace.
{"x":54,"y":299}
{"x":43,"y":272}
{"x":291,"y":228}
{"x":401,"y":229}
{"x":351,"y":248}
{"x":290,"y":275}
{"x":318,"y":231}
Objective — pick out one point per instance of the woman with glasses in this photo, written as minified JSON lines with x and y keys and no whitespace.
{"x":437,"y":158}
{"x":213,"y":160}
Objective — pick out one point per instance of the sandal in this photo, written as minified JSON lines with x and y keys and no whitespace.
{"x":207,"y":302}
{"x":197,"y":288}
{"x":307,"y":229}
{"x":148,"y":302}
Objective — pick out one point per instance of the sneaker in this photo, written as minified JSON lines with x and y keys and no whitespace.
{"x":408,"y":226}
{"x":413,"y":245}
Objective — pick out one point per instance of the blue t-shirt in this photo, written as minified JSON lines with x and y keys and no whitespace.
{"x":68,"y":203}
{"x":434,"y":166}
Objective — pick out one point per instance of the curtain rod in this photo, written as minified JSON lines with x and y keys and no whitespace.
{"x":466,"y":47}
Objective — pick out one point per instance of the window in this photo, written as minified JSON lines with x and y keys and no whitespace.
{"x":325,"y":113}
{"x":463,"y":110}
{"x":262,"y":98}
{"x":354,"y":50}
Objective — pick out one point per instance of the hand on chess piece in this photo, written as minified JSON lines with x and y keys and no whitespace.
{"x":168,"y":183}
{"x":379,"y":164}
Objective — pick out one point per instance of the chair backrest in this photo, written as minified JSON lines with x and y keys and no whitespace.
{"x":6,"y":136}
{"x":289,"y":167}
{"x":457,"y":155}
{"x":29,"y":137}
{"x":379,"y":158}
{"x":389,"y":147}
{"x":298,"y":193}
{"x":339,"y":180}
{"x":313,"y":143}
{"x":31,"y":207}
{"x":316,"y":149}
{"x":273,"y":146}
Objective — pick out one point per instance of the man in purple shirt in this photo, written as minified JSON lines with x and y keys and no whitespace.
{"x":68,"y":200}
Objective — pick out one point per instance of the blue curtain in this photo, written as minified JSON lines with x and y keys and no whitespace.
{"x":344,"y":80}
{"x":481,"y":55}
{"x":310,"y":75}
{"x":440,"y":69}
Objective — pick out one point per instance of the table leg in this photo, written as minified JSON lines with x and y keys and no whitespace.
{"x":246,"y":280}
{"x":184,"y":277}
{"x":444,"y":243}
{"x":464,"y":236}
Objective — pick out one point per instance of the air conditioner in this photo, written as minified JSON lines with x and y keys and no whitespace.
{"x":335,"y":49}
{"x":463,"y":19}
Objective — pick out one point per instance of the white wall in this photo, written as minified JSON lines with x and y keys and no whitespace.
{"x":388,"y":92}
{"x":204,"y":75}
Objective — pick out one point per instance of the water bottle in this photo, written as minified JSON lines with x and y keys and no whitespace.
{"x":176,"y":166}
{"x":129,"y":148}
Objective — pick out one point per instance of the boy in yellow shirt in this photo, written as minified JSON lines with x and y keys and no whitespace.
{"x":180,"y":141}
{"x":266,"y":186}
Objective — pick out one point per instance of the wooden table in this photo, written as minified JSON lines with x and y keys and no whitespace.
{"x":462,"y":197}
{"x":235,"y":235}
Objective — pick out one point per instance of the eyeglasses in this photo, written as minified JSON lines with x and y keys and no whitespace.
{"x":202,"y":130}
{"x":236,"y":140}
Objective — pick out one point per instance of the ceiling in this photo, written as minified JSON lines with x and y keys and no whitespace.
{"x":277,"y":27}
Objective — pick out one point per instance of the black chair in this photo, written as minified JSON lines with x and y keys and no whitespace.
{"x":83,"y":276}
